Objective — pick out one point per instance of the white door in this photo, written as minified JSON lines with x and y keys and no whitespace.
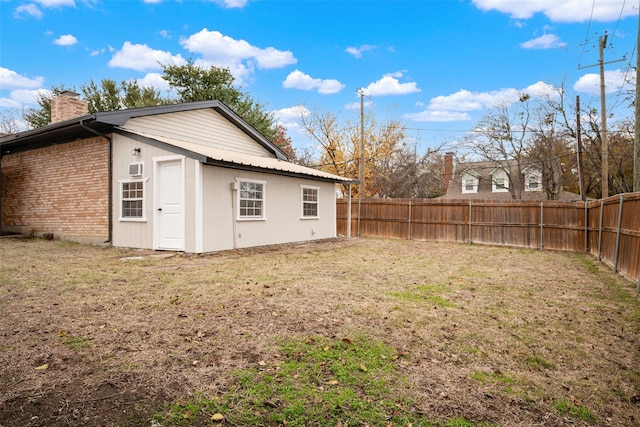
{"x":169,"y":205}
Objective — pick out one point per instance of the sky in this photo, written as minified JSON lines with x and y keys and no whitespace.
{"x":437,"y":66}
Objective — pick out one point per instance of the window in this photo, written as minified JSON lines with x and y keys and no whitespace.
{"x":309,"y":202}
{"x":499,"y":181}
{"x":469,"y":184}
{"x":251,"y":200}
{"x":533,"y":180}
{"x":132,"y":200}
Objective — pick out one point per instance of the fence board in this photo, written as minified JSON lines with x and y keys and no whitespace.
{"x":597,"y":227}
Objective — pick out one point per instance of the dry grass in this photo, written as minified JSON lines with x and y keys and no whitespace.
{"x":494,"y":335}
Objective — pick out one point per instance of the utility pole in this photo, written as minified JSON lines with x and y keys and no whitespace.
{"x":602,"y":43}
{"x":580,"y":164}
{"x":603,"y":118}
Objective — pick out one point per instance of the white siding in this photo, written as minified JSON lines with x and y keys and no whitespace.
{"x":206,"y":127}
{"x":133,"y":234}
{"x":283,"y":221}
{"x":217,"y":222}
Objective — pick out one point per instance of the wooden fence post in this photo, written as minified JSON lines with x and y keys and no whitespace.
{"x":600,"y":230}
{"x":409,"y":230}
{"x":541,"y":226}
{"x":615,"y":262}
{"x":586,"y":227}
{"x":470,"y":222}
{"x":349,"y":213}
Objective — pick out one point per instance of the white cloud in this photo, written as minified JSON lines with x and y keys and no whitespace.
{"x":66,"y":40}
{"x":230,"y":4}
{"x":9,"y":79}
{"x":290,"y":118}
{"x":615,"y":81}
{"x":155,"y":81}
{"x":562,"y":11}
{"x":389,"y":85}
{"x":98,"y":52}
{"x":299,"y":80}
{"x":367,"y":103}
{"x":546,"y":41}
{"x":228,"y":52}
{"x":56,"y":3}
{"x":358,"y":51}
{"x":21,"y":97}
{"x":456,"y":107}
{"x":30,"y":9}
{"x":238,"y":56}
{"x":141,"y":57}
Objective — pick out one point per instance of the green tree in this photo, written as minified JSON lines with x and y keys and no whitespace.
{"x":190,"y":82}
{"x":38,"y":117}
{"x":110,"y":96}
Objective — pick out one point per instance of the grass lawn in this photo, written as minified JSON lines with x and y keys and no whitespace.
{"x":346,"y":332}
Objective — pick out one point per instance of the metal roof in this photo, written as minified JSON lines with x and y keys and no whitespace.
{"x":238,"y":160}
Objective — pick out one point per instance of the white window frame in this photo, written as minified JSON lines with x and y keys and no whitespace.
{"x":468,"y":179}
{"x":122,"y":183}
{"x":534,"y":176}
{"x":263,"y":215}
{"x":309,"y":202}
{"x":499,"y":184}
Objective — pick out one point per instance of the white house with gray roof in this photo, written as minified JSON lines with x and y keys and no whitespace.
{"x":190,"y":177}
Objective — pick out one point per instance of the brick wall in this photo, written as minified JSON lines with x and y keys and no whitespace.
{"x":61,"y":189}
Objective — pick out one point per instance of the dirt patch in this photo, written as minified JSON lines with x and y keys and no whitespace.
{"x":106,"y":336}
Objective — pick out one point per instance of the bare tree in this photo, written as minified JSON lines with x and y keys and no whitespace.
{"x":501,"y":136}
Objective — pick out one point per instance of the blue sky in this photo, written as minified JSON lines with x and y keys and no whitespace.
{"x":435,"y":65}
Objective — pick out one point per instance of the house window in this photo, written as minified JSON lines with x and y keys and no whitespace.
{"x":251,"y":200}
{"x":500,"y":184}
{"x":470,"y":185}
{"x":533,"y":181}
{"x":309,"y":202}
{"x":499,"y":181}
{"x":132,"y":200}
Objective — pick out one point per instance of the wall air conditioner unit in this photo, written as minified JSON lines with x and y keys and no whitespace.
{"x":135,"y":169}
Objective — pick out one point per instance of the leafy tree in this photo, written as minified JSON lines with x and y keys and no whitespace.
{"x":190,"y":82}
{"x":38,"y":117}
{"x":110,"y":96}
{"x":283,"y":142}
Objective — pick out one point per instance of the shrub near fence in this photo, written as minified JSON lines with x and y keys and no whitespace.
{"x":608,"y":229}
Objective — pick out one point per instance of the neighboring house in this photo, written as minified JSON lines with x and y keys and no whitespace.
{"x":190,"y":177}
{"x":489,"y":180}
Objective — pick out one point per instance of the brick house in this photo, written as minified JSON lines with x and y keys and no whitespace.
{"x":190,"y":177}
{"x":490,"y":180}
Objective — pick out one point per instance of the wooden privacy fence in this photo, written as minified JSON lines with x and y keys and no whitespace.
{"x":608,"y":229}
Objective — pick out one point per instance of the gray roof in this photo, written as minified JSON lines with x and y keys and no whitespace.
{"x":104,"y":122}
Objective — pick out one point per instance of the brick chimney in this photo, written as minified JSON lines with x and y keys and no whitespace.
{"x":448,"y":170}
{"x":67,"y":105}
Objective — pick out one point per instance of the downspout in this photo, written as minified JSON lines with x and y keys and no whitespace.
{"x":109,"y":179}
